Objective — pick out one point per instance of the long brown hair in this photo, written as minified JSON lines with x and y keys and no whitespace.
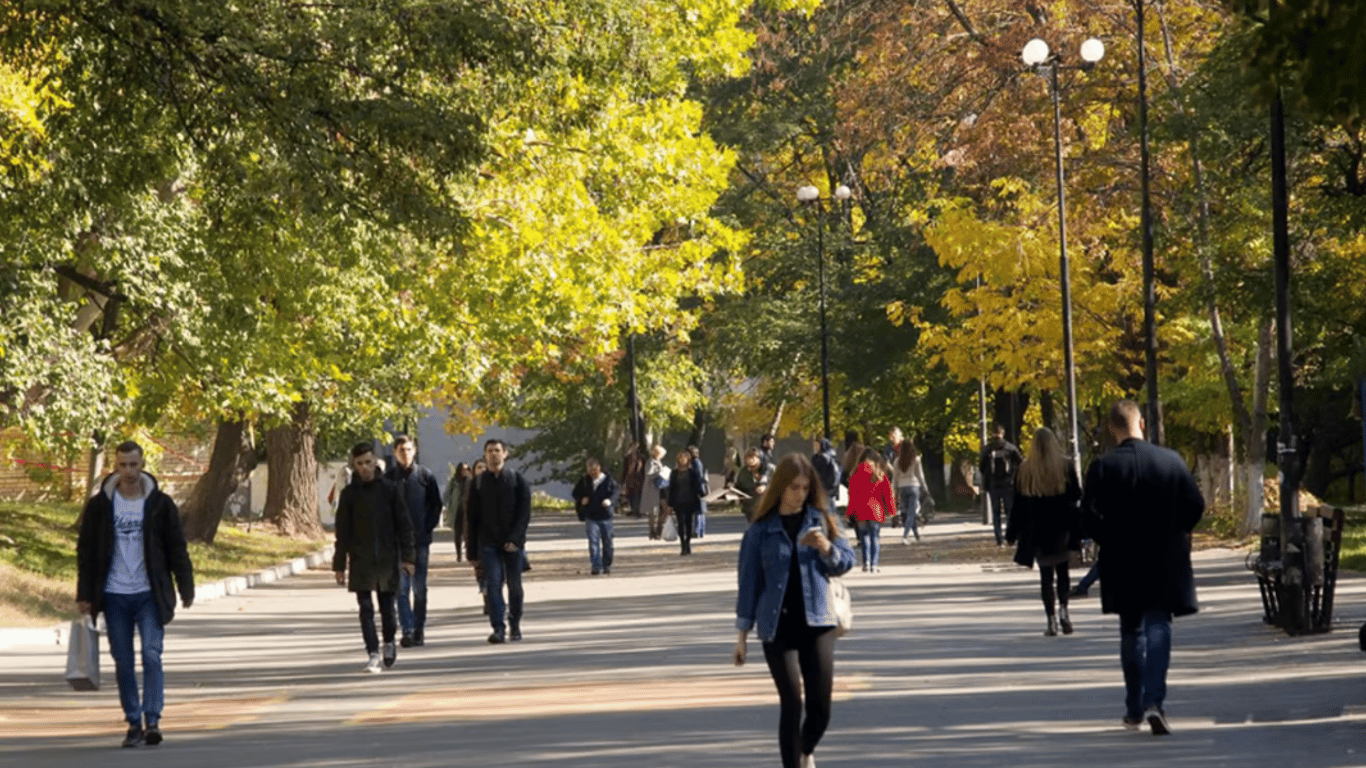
{"x":1044,"y":473}
{"x":906,"y":455}
{"x":875,"y":459}
{"x":789,"y":468}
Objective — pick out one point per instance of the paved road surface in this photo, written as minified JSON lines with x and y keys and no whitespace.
{"x":947,"y":667}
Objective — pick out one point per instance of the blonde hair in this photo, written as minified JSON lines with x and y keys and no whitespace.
{"x":1044,"y":473}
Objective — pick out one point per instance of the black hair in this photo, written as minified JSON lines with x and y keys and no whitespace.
{"x":128,"y":446}
{"x":360,"y":449}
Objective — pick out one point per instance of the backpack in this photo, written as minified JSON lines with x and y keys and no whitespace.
{"x":1002,"y":467}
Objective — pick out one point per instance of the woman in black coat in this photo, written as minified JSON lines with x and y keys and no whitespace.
{"x":1045,"y":520}
{"x":685,"y":498}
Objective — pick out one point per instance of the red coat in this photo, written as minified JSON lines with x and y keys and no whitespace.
{"x":869,"y":500}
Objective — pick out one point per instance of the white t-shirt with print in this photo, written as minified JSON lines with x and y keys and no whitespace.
{"x":128,"y":571}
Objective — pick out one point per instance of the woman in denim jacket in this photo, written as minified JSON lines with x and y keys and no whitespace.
{"x":793,"y":541}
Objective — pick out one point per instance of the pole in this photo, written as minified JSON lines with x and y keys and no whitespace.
{"x":1149,"y":277}
{"x":1294,"y":617}
{"x":982,"y":437}
{"x":1066,"y":277}
{"x":825,"y":342}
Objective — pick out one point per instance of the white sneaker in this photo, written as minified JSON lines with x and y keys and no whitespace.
{"x":905,"y":540}
{"x":376,"y":664}
{"x":808,"y":761}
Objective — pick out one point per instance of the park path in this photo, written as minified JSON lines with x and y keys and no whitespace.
{"x":947,"y":667}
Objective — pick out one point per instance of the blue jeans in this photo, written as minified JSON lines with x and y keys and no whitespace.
{"x":1145,"y":652}
{"x":502,"y":567}
{"x":869,"y":541}
{"x":1000,"y":509}
{"x":599,"y":543}
{"x":909,"y":499}
{"x":121,"y":614}
{"x":1090,"y":577}
{"x":366,"y":606}
{"x":700,"y":521}
{"x":413,"y":617}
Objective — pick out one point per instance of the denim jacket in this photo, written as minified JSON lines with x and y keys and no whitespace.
{"x":765,"y":564}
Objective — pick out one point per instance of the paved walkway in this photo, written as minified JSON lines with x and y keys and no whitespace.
{"x":947,"y":667}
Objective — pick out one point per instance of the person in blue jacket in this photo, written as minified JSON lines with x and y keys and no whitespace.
{"x":593,"y":496}
{"x":787,"y":557}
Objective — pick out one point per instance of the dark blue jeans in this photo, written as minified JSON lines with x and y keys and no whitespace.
{"x":123,"y":613}
{"x":1090,"y":577}
{"x":413,"y":617}
{"x":1000,"y":509}
{"x":1145,"y":652}
{"x":366,"y":604}
{"x":502,"y":567}
{"x":599,"y":543}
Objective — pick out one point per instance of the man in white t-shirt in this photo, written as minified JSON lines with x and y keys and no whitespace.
{"x":131,"y":544}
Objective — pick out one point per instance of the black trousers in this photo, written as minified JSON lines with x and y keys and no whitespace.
{"x":388,"y":616}
{"x":687,"y":521}
{"x":802,"y":659}
{"x":1046,"y":590}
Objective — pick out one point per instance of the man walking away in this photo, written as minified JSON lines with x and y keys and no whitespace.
{"x":998,"y":463}
{"x":422,"y":497}
{"x":1141,"y":503}
{"x":130,"y":546}
{"x":593,"y":496}
{"x":827,"y":465}
{"x":499,"y":513}
{"x":374,"y":534}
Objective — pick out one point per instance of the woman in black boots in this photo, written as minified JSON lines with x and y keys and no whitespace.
{"x":1045,"y":520}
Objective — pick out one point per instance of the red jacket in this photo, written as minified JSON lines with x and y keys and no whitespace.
{"x":869,"y":500}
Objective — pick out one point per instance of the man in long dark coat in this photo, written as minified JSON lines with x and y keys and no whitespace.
{"x":374,"y":538}
{"x":1141,"y":503}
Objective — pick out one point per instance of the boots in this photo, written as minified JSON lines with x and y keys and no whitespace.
{"x":1064,"y":620}
{"x":1052,"y":630}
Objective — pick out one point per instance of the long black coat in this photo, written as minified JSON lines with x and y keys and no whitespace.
{"x":1045,"y":526}
{"x":374,"y":533}
{"x":1141,"y":505}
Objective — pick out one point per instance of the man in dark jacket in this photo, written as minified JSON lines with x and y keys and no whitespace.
{"x":422,"y":497}
{"x":130,"y":546}
{"x":827,"y":465}
{"x":499,"y":511}
{"x":593,"y":496}
{"x":998,"y":463}
{"x":374,"y":537}
{"x":1141,"y":503}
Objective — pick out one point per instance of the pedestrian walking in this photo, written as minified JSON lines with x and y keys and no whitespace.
{"x":827,"y":465}
{"x":766,"y":444}
{"x":593,"y":498}
{"x":893,"y":448}
{"x":870,"y":503}
{"x":633,"y":477}
{"x":685,"y":498}
{"x":454,"y":498}
{"x":1045,"y":523}
{"x":374,"y":544}
{"x":652,"y":496}
{"x":131,"y":544}
{"x":908,"y":476}
{"x":1141,"y":504}
{"x":700,"y":520}
{"x":998,"y":462}
{"x":499,"y":513}
{"x":751,"y":479}
{"x":787,"y":557}
{"x":422,"y":498}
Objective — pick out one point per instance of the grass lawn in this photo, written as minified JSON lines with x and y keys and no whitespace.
{"x":38,"y":559}
{"x":1353,"y":556}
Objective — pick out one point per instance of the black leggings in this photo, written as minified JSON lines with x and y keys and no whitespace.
{"x":802,"y":659}
{"x":1046,"y":585}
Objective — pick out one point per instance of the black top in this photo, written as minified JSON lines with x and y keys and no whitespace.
{"x":793,"y":616}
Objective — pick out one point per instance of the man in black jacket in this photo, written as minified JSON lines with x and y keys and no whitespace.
{"x":1141,"y":503}
{"x":998,"y":463}
{"x":593,"y":496}
{"x":130,"y":546}
{"x":422,"y":497}
{"x":499,"y":512}
{"x":374,"y":545}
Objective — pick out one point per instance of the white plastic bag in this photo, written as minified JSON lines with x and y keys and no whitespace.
{"x":670,"y":532}
{"x":83,"y":655}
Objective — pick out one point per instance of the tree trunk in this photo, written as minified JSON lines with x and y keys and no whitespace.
{"x":1254,"y":454}
{"x":94,"y":468}
{"x":292,"y":489}
{"x":229,"y":465}
{"x":777,"y":418}
{"x":1008,"y":408}
{"x":932,"y":462}
{"x":699,"y":427}
{"x":1048,"y":412}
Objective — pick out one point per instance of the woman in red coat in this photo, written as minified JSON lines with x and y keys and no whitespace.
{"x":870,"y":502}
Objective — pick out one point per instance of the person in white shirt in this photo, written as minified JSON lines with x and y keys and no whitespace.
{"x":908,"y":477}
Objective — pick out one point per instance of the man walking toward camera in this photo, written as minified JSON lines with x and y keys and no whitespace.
{"x":499,"y":513}
{"x":374,"y":539}
{"x":1141,"y":503}
{"x":130,"y":546}
{"x":593,"y":496}
{"x":422,"y":497}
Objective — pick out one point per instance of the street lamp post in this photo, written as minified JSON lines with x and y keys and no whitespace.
{"x":812,"y":195}
{"x":1037,"y":56}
